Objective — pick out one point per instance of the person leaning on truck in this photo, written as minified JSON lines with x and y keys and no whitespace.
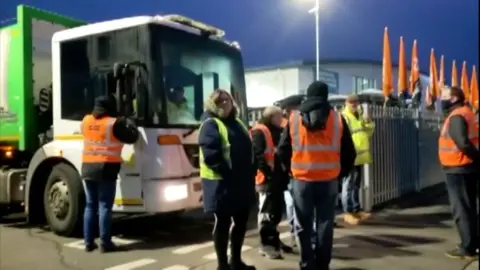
{"x":103,"y":137}
{"x":271,"y":181}
{"x":227,"y":170}
{"x":460,"y":157}
{"x":361,"y":129}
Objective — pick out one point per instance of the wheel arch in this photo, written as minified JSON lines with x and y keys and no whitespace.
{"x":39,"y":168}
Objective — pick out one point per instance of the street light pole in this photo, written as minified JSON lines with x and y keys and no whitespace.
{"x":316,"y":10}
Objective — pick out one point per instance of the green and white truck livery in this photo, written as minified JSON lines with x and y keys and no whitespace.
{"x":51,"y":70}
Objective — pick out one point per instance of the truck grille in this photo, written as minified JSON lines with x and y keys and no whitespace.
{"x":192,"y":151}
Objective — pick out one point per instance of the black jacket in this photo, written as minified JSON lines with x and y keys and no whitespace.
{"x":124,"y":130}
{"x":236,"y":189}
{"x":278,"y":178}
{"x":315,"y":112}
{"x":458,"y":131}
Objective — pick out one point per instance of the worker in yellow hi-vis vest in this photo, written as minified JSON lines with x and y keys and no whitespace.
{"x":361,"y":127}
{"x":228,"y":175}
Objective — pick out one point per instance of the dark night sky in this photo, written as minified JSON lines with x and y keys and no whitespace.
{"x":277,"y":31}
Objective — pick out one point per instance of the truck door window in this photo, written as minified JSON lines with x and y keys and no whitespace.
{"x":75,"y":78}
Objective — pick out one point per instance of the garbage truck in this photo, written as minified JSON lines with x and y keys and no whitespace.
{"x":160,"y":69}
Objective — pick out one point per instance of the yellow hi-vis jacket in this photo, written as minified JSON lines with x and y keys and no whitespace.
{"x":206,"y":172}
{"x":361,"y":133}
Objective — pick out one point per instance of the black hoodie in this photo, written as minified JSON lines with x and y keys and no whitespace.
{"x":124,"y":130}
{"x":315,"y":111}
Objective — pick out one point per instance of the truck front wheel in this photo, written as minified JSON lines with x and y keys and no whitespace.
{"x":64,"y":200}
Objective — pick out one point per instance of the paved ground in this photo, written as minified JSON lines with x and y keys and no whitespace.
{"x":396,"y":238}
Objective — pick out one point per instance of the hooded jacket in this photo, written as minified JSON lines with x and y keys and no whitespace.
{"x":236,"y":189}
{"x":315,"y":110}
{"x":123,"y":129}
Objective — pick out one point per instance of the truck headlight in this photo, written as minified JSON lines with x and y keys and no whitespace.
{"x":176,"y":192}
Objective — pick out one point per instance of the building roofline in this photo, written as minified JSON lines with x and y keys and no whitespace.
{"x":293,"y":64}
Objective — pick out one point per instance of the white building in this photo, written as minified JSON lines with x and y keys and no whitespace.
{"x":267,"y":84}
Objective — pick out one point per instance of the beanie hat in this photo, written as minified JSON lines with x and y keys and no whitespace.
{"x":317,"y":89}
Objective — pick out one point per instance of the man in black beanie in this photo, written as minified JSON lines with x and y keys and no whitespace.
{"x":317,"y":147}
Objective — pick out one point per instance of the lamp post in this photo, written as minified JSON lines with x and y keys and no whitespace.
{"x":316,"y":10}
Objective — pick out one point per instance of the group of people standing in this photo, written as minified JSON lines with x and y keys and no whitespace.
{"x":296,"y":153}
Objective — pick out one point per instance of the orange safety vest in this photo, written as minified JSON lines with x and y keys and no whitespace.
{"x":316,"y":154}
{"x":269,"y":151}
{"x":99,"y":144}
{"x":448,"y":153}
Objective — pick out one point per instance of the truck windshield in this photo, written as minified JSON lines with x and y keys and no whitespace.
{"x":190,"y":67}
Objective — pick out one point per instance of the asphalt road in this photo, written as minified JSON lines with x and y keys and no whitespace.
{"x":403,"y":239}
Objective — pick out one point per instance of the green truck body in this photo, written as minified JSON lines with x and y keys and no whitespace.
{"x":25,"y":69}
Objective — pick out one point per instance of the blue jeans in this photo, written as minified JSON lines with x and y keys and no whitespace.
{"x":315,"y":199}
{"x":351,"y":190}
{"x":99,"y":200}
{"x":290,"y":212}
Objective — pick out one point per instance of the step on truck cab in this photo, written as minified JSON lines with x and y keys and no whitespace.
{"x":159,"y":68}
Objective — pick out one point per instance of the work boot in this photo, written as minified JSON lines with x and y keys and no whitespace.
{"x":458,"y":254}
{"x":363,"y":215}
{"x":293,"y":241}
{"x":351,"y":219}
{"x":108,"y":247}
{"x":270,"y":252}
{"x":91,"y":247}
{"x":286,"y":248}
{"x":241,"y":266}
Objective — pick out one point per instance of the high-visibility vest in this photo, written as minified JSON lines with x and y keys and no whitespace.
{"x":448,"y":153}
{"x":269,"y":152}
{"x":205,"y":171}
{"x":361,"y":133}
{"x":99,"y":144}
{"x":316,"y":154}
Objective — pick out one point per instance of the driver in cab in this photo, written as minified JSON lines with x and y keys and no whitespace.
{"x":177,"y":107}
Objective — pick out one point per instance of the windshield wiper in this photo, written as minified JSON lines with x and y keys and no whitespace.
{"x":189,"y":132}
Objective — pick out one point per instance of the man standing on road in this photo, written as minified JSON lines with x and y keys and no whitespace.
{"x":317,"y":147}
{"x":103,"y":139}
{"x":460,"y":157}
{"x":361,"y":129}
{"x":271,"y":181}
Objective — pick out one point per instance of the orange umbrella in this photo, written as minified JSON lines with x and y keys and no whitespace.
{"x":464,"y":81}
{"x":402,"y":69}
{"x":474,"y":89}
{"x":415,"y":71}
{"x":433,"y":87}
{"x":387,"y":78}
{"x":441,"y":79}
{"x":454,"y":81}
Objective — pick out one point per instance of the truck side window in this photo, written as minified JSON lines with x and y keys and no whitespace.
{"x":75,"y":80}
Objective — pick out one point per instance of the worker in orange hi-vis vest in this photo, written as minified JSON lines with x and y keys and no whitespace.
{"x":317,"y":147}
{"x":271,"y":182}
{"x":103,"y":138}
{"x":460,"y":157}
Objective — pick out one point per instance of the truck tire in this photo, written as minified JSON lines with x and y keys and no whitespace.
{"x":64,"y":200}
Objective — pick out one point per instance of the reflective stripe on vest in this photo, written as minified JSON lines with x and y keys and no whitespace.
{"x":316,"y":154}
{"x":99,"y":144}
{"x":269,"y":152}
{"x":206,"y":172}
{"x":448,"y":152}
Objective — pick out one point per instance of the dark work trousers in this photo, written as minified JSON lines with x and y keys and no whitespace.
{"x":99,"y":195}
{"x":351,"y":190}
{"x":315,"y":199}
{"x":270,"y":211}
{"x":221,"y":231}
{"x":463,"y":190}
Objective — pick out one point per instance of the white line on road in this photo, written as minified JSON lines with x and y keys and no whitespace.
{"x":118,"y":241}
{"x":213,"y":256}
{"x":192,"y":248}
{"x":177,"y":267}
{"x":132,"y":264}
